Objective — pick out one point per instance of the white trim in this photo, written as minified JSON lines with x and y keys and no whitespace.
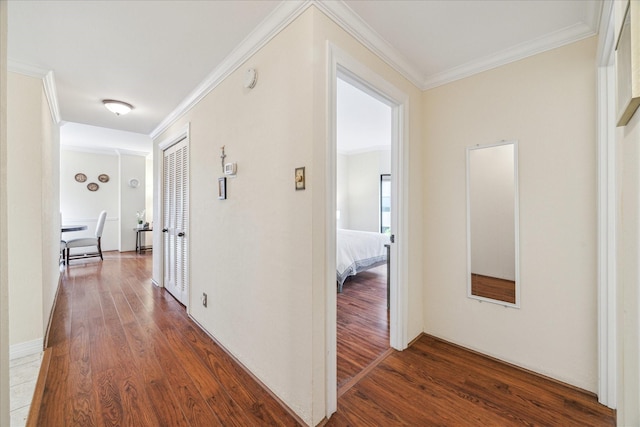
{"x":70,"y":221}
{"x":367,"y":80}
{"x":282,"y":16}
{"x":104,"y":151}
{"x":26,"y":348}
{"x":342,"y":64}
{"x":606,"y":38}
{"x":550,"y":41}
{"x":351,"y":22}
{"x":607,"y":312}
{"x":184,"y":132}
{"x":331,"y":312}
{"x":26,"y":69}
{"x":49,"y":83}
{"x":340,"y":13}
{"x":181,"y":134}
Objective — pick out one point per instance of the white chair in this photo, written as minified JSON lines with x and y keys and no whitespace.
{"x":88,"y":241}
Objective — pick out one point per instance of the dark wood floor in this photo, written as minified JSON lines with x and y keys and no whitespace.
{"x":436,"y":383}
{"x":494,"y":288}
{"x":124,"y":353}
{"x":362,"y":324}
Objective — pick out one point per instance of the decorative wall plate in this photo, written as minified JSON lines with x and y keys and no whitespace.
{"x":80,"y":177}
{"x":92,"y":186}
{"x":103,"y":177}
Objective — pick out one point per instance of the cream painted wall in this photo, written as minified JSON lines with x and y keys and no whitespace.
{"x":131,"y":200}
{"x":148,"y":197}
{"x":24,"y":136}
{"x":81,"y":206}
{"x":547,"y":102}
{"x":50,"y":191}
{"x":259,"y":255}
{"x":252,"y":253}
{"x":342,"y":191}
{"x":628,"y":272}
{"x":4,"y":262}
{"x":33,"y":144}
{"x":358,"y":183}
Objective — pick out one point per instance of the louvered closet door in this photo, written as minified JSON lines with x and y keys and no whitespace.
{"x":175,"y":211}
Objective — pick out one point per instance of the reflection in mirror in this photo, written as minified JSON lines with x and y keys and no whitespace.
{"x":492,"y":223}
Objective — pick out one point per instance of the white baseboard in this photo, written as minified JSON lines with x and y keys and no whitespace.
{"x":25,"y":349}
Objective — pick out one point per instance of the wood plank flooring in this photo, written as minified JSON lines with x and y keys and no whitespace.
{"x":494,"y":288}
{"x":436,"y":383}
{"x":124,"y":353}
{"x":362,"y":324}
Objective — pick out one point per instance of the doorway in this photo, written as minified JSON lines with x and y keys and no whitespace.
{"x":342,"y":66}
{"x":175,"y":219}
{"x":363,"y":234}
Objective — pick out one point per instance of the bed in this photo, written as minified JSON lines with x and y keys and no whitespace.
{"x":358,"y":251}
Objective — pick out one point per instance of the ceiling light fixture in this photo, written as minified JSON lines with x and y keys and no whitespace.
{"x":119,"y":108}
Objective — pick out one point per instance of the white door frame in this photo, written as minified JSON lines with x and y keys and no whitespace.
{"x":606,"y":157}
{"x":182,"y":134}
{"x":347,"y":68}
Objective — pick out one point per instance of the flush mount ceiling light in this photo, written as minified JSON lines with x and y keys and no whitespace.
{"x":119,"y":108}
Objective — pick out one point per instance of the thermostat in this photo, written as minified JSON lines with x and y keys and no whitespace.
{"x":230,"y":168}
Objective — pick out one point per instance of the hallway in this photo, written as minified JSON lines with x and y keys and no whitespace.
{"x":124,"y":352}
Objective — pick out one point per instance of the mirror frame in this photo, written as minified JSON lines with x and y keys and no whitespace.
{"x":516,"y":224}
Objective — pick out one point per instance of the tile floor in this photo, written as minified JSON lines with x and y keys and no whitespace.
{"x":23,"y":374}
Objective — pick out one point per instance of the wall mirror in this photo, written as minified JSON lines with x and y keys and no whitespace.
{"x":492,"y":223}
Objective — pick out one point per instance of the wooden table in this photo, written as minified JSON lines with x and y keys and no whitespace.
{"x":139,"y":247}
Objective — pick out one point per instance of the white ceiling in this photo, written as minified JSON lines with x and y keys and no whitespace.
{"x":157,"y":55}
{"x":363,"y":123}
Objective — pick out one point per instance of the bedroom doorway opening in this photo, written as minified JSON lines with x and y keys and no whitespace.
{"x":364,"y":177}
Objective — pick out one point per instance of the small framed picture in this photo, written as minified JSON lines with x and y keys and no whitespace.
{"x":222,"y":188}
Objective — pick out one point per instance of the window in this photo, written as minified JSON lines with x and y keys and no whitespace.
{"x":385,"y":203}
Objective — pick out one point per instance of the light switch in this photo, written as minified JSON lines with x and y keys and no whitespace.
{"x":300,"y":185}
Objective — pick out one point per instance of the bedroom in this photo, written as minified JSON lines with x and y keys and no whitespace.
{"x":363,"y":219}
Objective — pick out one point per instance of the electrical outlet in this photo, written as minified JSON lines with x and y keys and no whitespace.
{"x":204,"y":299}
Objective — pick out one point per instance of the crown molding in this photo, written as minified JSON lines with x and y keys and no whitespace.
{"x":606,"y":39}
{"x":49,"y":83}
{"x":594,"y":14}
{"x":26,"y":69}
{"x":348,"y":20}
{"x":90,"y":150}
{"x":340,"y":13}
{"x":551,"y":41}
{"x":282,"y":16}
{"x":103,"y":151}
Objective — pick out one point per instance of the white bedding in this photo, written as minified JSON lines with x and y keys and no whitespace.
{"x":357,"y":251}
